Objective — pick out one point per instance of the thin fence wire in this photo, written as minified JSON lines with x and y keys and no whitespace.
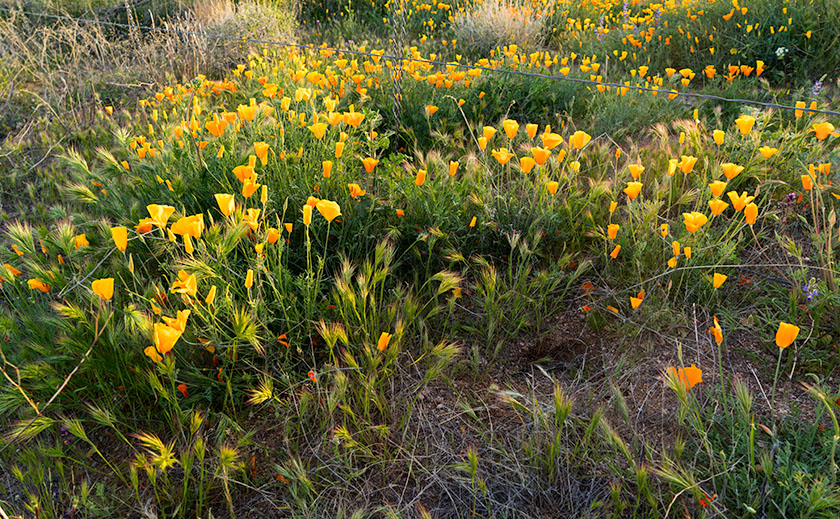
{"x":401,"y":59}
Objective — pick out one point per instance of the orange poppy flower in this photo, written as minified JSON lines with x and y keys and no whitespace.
{"x":717,"y":331}
{"x":165,"y":337}
{"x":79,"y":241}
{"x":185,"y":284}
{"x":160,"y":214}
{"x":226,"y":203}
{"x":488,"y":132}
{"x":751,"y":213}
{"x":540,"y":154}
{"x":510,"y":127}
{"x":717,"y":206}
{"x":37,"y":284}
{"x":369,"y":163}
{"x":635,"y":302}
{"x":690,"y":376}
{"x":355,"y":190}
{"x":739,"y":201}
{"x":694,"y":220}
{"x":822,"y":130}
{"x":453,"y":168}
{"x":318,"y":130}
{"x":786,"y":334}
{"x":383,"y":341}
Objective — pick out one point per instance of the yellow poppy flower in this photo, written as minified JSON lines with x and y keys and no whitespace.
{"x":633,"y":189}
{"x":767,"y":151}
{"x":526,"y":164}
{"x":541,"y":155}
{"x":104,"y":288}
{"x":510,"y":127}
{"x":502,"y":155}
{"x":261,"y":149}
{"x":717,"y":206}
{"x":579,"y":139}
{"x":745,"y":124}
{"x":120,"y":237}
{"x":165,"y":337}
{"x":329,"y":210}
{"x":731,"y":170}
{"x":226,"y":203}
{"x":635,"y":170}
{"x":185,"y":284}
{"x":160,"y":214}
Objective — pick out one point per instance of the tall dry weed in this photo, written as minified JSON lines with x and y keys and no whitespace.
{"x":487,"y":24}
{"x":66,"y":69}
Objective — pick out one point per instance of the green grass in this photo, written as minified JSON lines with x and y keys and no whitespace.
{"x":514,"y":379}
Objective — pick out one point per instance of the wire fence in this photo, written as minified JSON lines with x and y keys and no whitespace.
{"x":401,"y":60}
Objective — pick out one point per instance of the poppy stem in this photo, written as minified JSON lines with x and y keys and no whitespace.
{"x":773,"y":392}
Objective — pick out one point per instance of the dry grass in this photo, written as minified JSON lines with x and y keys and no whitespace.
{"x":71,"y":68}
{"x":488,"y":24}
